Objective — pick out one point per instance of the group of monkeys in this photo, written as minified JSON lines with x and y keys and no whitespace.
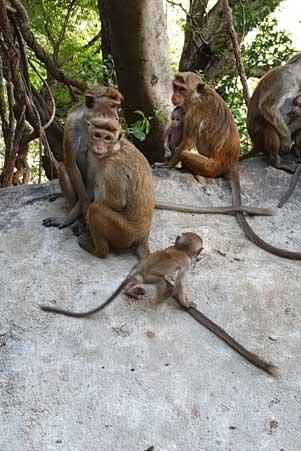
{"x":108,"y":182}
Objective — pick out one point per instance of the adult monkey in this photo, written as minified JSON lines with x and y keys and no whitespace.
{"x":99,"y":101}
{"x":265,"y":122}
{"x":209,"y":126}
{"x":119,"y":191}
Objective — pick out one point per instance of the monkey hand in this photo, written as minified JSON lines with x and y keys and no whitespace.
{"x":84,"y":206}
{"x":285,"y":144}
{"x":55,"y":222}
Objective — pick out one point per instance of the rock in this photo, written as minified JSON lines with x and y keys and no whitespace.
{"x":65,"y":380}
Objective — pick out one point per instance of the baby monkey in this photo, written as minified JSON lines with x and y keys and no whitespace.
{"x":174,"y":133}
{"x":151,"y":270}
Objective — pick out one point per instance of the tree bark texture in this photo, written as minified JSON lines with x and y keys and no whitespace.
{"x":140,"y":51}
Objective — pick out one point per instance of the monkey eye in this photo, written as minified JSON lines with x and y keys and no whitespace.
{"x":97,"y":135}
{"x":108,"y":138}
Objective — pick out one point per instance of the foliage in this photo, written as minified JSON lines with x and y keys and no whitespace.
{"x":141,"y":128}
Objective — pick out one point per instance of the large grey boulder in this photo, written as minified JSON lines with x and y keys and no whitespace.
{"x":137,"y":375}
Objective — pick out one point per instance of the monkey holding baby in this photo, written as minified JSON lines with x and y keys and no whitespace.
{"x":209,"y":127}
{"x":267,"y":119}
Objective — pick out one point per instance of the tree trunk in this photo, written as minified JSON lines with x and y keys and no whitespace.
{"x":212,"y":51}
{"x":105,"y":30}
{"x":140,"y":51}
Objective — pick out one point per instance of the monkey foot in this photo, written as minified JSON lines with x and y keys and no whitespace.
{"x":135,"y":293}
{"x":78,"y":227}
{"x":86,"y":243}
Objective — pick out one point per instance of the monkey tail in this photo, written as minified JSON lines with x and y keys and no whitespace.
{"x":253,"y":153}
{"x":269,"y":368}
{"x":48,"y":308}
{"x":291,"y":187}
{"x":248,"y":231}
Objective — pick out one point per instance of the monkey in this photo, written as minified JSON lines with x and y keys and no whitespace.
{"x":153,"y":269}
{"x":209,"y":126}
{"x":265,"y":123}
{"x":99,"y":100}
{"x":119,"y":191}
{"x":291,"y":113}
{"x":293,"y":121}
{"x":174,"y":132}
{"x":216,"y":154}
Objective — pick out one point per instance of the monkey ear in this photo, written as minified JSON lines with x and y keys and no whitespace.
{"x":120,"y":136}
{"x":200,"y":88}
{"x":88,"y":123}
{"x":178,"y":239}
{"x":89,"y":101}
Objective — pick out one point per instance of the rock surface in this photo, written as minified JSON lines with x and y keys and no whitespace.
{"x":138,"y":375}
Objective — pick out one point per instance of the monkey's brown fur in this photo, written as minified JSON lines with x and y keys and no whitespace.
{"x":99,"y":101}
{"x":120,"y":190}
{"x":209,"y":126}
{"x":205,"y":114}
{"x":266,"y":125}
{"x":153,"y":269}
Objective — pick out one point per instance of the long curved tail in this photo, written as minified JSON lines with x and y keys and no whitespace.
{"x":219,"y":332}
{"x":248,"y":231}
{"x":48,"y":308}
{"x":291,"y":187}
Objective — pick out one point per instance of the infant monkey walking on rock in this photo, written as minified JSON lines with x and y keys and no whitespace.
{"x":152,"y":269}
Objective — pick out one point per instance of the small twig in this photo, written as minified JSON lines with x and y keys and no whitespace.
{"x":192,"y":20}
{"x":236,"y":50}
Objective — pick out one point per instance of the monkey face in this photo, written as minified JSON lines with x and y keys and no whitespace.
{"x":180,"y":93}
{"x":176,"y":119}
{"x":107,"y":107}
{"x":296,"y":110}
{"x":104,"y":136}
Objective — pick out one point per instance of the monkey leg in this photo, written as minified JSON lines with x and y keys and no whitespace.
{"x":202,"y":165}
{"x":132,"y":290}
{"x":66,"y":184}
{"x":62,"y":222}
{"x":272,"y":145}
{"x":163,"y":291}
{"x":108,"y":228}
{"x":179,"y":288}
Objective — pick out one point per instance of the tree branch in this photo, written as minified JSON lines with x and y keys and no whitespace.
{"x":236,"y":51}
{"x":40,"y":53}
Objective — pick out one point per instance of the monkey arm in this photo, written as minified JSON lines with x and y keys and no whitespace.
{"x":74,"y":173}
{"x":64,"y":222}
{"x":272,"y":114}
{"x":186,"y":144}
{"x":180,"y":286}
{"x":295,"y":125}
